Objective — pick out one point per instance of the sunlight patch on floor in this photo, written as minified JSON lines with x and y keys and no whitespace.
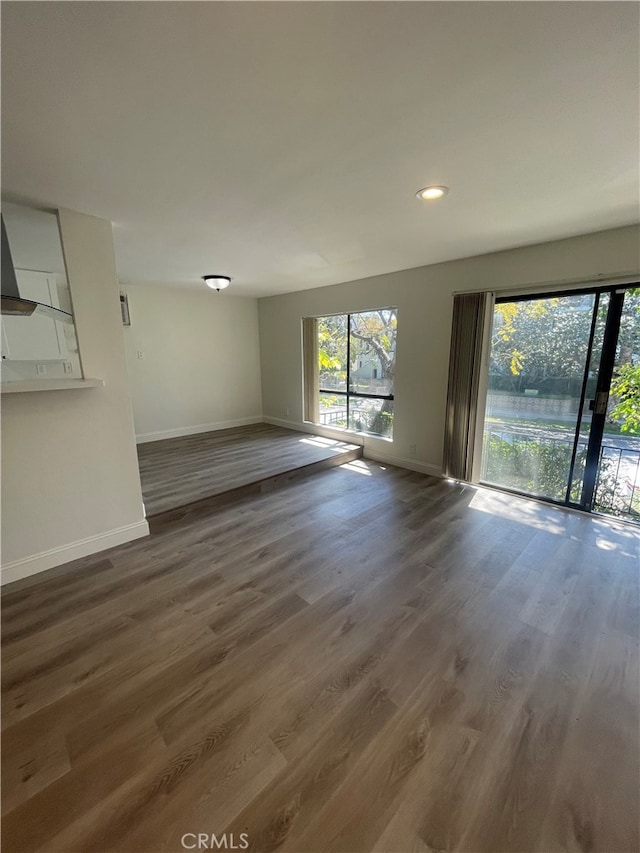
{"x":316,"y":441}
{"x":530,"y":513}
{"x":358,"y":466}
{"x":612,"y":536}
{"x":609,"y":535}
{"x":328,"y":443}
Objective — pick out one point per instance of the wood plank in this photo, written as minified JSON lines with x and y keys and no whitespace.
{"x":368,"y":659}
{"x":176,"y":472}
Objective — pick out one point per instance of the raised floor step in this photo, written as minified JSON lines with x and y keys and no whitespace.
{"x":219,"y":466}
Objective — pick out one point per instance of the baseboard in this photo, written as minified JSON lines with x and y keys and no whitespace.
{"x":370,"y":452}
{"x":400,"y":462}
{"x":27,"y":566}
{"x":144,"y":437}
{"x":317,"y":429}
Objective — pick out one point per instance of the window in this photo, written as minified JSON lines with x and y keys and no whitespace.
{"x":349,"y":370}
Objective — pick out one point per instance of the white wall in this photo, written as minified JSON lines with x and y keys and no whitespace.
{"x":424,"y":298}
{"x":200,"y":368}
{"x":70,"y":482}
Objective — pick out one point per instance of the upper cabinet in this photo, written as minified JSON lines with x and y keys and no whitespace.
{"x":41,"y":338}
{"x":38,"y":333}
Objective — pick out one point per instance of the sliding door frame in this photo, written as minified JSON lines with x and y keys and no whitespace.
{"x":605,"y":374}
{"x":599,"y":407}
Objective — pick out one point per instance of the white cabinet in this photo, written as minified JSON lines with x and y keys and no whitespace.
{"x":35,"y":338}
{"x":5,"y":344}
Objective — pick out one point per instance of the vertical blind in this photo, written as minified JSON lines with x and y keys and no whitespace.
{"x":470,"y":314}
{"x":310,"y":368}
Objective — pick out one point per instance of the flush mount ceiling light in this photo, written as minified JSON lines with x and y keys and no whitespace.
{"x":217,"y":282}
{"x":432,"y":193}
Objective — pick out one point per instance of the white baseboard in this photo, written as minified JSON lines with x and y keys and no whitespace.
{"x":144,"y":437}
{"x":27,"y":566}
{"x":317,"y":429}
{"x":370,"y":450}
{"x":400,"y":462}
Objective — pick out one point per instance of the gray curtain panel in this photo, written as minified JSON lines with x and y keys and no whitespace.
{"x":469,"y":317}
{"x":310,"y":368}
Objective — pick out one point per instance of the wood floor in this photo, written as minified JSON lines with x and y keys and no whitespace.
{"x":178,"y":471}
{"x":366,"y":660}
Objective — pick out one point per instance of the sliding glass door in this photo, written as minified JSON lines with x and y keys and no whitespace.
{"x":562,"y":419}
{"x":616,"y":486}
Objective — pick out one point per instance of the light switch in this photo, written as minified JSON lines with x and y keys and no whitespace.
{"x":140,"y":354}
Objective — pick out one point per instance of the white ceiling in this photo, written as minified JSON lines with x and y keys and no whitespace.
{"x":282,"y":143}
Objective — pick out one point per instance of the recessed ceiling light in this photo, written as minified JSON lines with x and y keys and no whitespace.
{"x":431,"y":193}
{"x":216,"y":282}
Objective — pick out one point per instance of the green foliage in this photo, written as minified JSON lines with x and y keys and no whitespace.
{"x":612,"y":493}
{"x":332,"y":349}
{"x":373,"y":333}
{"x":543,"y":468}
{"x":328,"y":362}
{"x":625,"y":388}
{"x":527,"y":465}
{"x":540,"y":344}
{"x":517,"y":362}
{"x":373,"y":339}
{"x":376,"y":422}
{"x":505,"y":314}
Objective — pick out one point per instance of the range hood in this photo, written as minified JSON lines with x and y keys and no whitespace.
{"x":12,"y":303}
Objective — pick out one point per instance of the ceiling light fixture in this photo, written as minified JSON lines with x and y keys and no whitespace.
{"x":217,"y":282}
{"x":432,"y":193}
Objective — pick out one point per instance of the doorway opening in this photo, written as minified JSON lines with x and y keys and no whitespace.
{"x":562,"y":416}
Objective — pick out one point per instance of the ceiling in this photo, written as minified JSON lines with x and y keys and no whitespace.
{"x":282,"y":143}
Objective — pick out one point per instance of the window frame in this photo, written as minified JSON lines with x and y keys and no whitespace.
{"x":349,"y":392}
